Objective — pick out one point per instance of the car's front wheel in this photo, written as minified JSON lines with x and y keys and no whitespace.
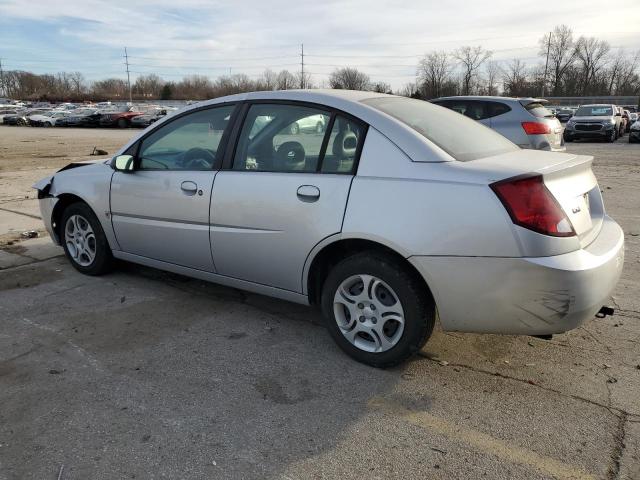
{"x":612,"y":137}
{"x":377,"y":311}
{"x":84,"y":241}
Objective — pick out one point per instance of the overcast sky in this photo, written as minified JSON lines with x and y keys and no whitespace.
{"x":383,"y":38}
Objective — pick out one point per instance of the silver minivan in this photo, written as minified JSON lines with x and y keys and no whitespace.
{"x":525,"y":121}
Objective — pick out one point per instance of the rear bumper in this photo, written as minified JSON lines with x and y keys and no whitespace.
{"x":529,"y":296}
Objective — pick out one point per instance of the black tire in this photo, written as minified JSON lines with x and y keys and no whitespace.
{"x":418,"y":306}
{"x":568,"y":139}
{"x":612,"y":138}
{"x":103,"y":260}
{"x":122,"y":123}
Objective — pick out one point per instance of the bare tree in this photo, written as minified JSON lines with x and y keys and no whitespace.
{"x":286,"y":80}
{"x":381,"y":87}
{"x":471,"y":59}
{"x":492,"y":72}
{"x":148,"y":86}
{"x":349,"y":78}
{"x":434,"y":71}
{"x":592,"y":55}
{"x":514,"y":77}
{"x":268,"y":80}
{"x":562,"y":54}
{"x":628,"y":81}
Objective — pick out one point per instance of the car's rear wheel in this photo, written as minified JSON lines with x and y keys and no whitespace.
{"x":377,"y":311}
{"x":84,"y":241}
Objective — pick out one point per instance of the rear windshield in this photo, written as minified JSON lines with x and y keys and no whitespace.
{"x":462,"y":138}
{"x":538,"y":110}
{"x":594,"y":112}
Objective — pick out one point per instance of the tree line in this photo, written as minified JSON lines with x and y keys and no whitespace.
{"x":568,"y":66}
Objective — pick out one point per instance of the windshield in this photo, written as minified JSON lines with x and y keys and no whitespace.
{"x":443,"y":126}
{"x":596,"y":111}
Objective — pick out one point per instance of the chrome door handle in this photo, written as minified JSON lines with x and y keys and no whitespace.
{"x":190,"y":188}
{"x":308,"y":193}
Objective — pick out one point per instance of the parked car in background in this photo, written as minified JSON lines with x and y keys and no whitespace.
{"x":20,"y":118}
{"x":81,"y":117}
{"x":524,"y":121}
{"x":143,"y":121}
{"x":120,"y":118}
{"x":382,"y":221}
{"x":47,"y":119}
{"x":621,"y":121}
{"x":626,"y":116}
{"x":6,"y":110}
{"x":593,"y":121}
{"x":313,"y":123}
{"x":564,"y":114}
{"x":634,"y":131}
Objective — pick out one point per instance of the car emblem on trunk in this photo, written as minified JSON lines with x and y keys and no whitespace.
{"x":575,"y":209}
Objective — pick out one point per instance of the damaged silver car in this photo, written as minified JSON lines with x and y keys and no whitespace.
{"x":382,"y":217}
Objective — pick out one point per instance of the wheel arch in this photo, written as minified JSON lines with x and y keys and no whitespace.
{"x":332,"y":250}
{"x":64,"y":200}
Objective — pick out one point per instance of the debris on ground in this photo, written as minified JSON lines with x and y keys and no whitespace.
{"x":29,"y":234}
{"x":97,"y":151}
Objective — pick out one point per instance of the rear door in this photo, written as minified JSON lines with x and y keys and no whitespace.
{"x":161,"y":210}
{"x":285,"y":189}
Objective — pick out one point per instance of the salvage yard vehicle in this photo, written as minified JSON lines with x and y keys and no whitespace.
{"x":47,"y":119}
{"x":594,"y":121}
{"x":524,"y":121}
{"x":81,"y":117}
{"x":386,"y":218}
{"x":143,"y":121}
{"x":120,"y":118}
{"x":634,"y":132}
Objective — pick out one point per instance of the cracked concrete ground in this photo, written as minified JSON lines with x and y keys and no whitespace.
{"x":145,"y":374}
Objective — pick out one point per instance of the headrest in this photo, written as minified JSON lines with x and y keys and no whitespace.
{"x":344,"y":145}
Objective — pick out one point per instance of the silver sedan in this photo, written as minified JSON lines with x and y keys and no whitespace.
{"x":382,"y":218}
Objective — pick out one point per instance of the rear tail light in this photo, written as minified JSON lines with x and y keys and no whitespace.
{"x":531,"y":205}
{"x":536,"y":128}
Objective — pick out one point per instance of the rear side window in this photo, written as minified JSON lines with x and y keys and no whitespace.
{"x":498,"y":108}
{"x":342,"y":148}
{"x":538,"y":110}
{"x":443,"y":127}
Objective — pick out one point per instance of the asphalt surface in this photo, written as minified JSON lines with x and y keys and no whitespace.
{"x":148,"y":375}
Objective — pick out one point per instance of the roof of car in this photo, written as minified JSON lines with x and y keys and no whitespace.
{"x":406,"y":138}
{"x":491,"y":97}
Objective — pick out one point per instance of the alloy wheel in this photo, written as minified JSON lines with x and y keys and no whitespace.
{"x":368,"y":313}
{"x":80,"y":240}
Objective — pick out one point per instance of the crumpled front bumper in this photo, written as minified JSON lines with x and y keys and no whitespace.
{"x":529,"y":296}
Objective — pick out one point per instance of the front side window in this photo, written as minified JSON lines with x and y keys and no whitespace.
{"x":443,"y":127}
{"x":190,"y":142}
{"x":281,"y":138}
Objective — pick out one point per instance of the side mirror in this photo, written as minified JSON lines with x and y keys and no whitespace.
{"x":123,"y":163}
{"x":618,"y":114}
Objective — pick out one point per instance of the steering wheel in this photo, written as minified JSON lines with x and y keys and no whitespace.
{"x":198,"y":158}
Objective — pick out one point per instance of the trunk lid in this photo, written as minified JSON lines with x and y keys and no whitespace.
{"x":568,"y":177}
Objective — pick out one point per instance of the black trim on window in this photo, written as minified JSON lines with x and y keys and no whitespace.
{"x":222,"y":147}
{"x":230,"y":152}
{"x":325,"y":142}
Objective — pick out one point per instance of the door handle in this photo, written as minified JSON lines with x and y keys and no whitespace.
{"x":308,"y":193}
{"x":189,"y":188}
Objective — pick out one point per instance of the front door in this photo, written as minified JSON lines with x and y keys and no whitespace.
{"x":286,"y":191}
{"x":161,"y":210}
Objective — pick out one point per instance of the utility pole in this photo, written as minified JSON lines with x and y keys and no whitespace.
{"x":546,"y":65}
{"x":126,"y":62}
{"x":302,"y":65}
{"x":1,"y":79}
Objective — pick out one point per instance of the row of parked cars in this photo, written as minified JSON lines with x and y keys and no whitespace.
{"x":69,"y":115}
{"x":532,"y":123}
